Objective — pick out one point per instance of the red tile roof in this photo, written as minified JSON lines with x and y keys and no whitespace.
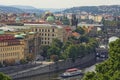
{"x":75,"y":34}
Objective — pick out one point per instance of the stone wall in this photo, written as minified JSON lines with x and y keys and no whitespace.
{"x":61,"y":65}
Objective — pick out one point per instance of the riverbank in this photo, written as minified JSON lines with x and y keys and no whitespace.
{"x":52,"y":67}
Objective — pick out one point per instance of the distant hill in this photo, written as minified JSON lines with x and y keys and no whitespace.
{"x":23,"y":7}
{"x":53,"y":10}
{"x":29,"y":9}
{"x":112,"y":9}
{"x":19,"y":9}
{"x":7,"y":9}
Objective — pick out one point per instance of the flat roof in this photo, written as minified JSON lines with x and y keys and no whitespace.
{"x":28,"y":26}
{"x":85,"y":24}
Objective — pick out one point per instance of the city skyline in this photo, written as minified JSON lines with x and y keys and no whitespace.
{"x":58,"y":3}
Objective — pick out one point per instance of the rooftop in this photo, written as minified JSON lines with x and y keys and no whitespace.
{"x":85,"y":24}
{"x":75,"y":34}
{"x":28,"y":26}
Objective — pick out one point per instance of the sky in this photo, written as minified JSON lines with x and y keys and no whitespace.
{"x":59,"y":3}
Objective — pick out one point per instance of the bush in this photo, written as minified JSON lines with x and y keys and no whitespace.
{"x":54,"y":58}
{"x":4,"y":77}
{"x":23,"y":61}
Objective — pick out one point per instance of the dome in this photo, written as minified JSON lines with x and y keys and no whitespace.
{"x":17,"y":19}
{"x":1,"y":32}
{"x":31,"y":32}
{"x":47,"y":12}
{"x":50,"y":19}
{"x":23,"y":34}
{"x":19,"y":36}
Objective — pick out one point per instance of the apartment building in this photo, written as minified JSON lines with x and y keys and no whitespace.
{"x":11,"y":49}
{"x":49,"y":32}
{"x":19,"y":45}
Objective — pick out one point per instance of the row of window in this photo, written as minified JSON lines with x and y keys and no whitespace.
{"x":9,"y":54}
{"x":45,"y":34}
{"x":9,"y":48}
{"x":44,"y":30}
{"x":9,"y":43}
{"x":45,"y":38}
{"x":45,"y":42}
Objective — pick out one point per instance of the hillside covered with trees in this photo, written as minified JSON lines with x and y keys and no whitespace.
{"x":112,"y":9}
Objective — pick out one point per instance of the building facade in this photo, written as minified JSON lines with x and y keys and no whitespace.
{"x":32,"y":43}
{"x":49,"y":32}
{"x":11,"y":49}
{"x":18,"y":45}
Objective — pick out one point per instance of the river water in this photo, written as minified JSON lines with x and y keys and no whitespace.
{"x":55,"y":75}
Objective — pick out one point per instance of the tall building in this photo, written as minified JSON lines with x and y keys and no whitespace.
{"x":49,"y":32}
{"x":32,"y":44}
{"x":74,"y":20}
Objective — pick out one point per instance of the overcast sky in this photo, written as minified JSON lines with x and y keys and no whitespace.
{"x":59,"y":3}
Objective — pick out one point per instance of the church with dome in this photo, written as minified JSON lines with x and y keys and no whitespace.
{"x":49,"y":18}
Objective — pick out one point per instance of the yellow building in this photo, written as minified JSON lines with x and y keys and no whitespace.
{"x":98,"y":18}
{"x":49,"y":32}
{"x":46,"y":32}
{"x":11,"y":49}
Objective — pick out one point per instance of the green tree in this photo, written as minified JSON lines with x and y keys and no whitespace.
{"x":109,"y":69}
{"x":111,"y":23}
{"x":4,"y":77}
{"x":44,"y":51}
{"x":72,"y":52}
{"x":65,"y":21}
{"x":81,"y":50}
{"x":57,"y":43}
{"x":89,"y":75}
{"x":54,"y":58}
{"x":66,"y":44}
{"x":80,"y":30}
{"x":53,"y":50}
{"x":23,"y":61}
{"x":84,"y":39}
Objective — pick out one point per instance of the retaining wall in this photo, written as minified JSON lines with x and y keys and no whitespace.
{"x":80,"y":62}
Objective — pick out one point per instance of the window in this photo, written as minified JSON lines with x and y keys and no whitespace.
{"x":45,"y":30}
{"x":53,"y":30}
{"x":45,"y":34}
{"x":35,"y":30}
{"x":48,"y":34}
{"x":39,"y":30}
{"x":48,"y":30}
{"x":52,"y":34}
{"x":42,"y":30}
